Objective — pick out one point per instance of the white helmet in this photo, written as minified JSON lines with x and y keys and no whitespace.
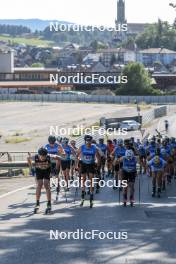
{"x":119,"y":141}
{"x":163,"y":152}
{"x":129,"y":154}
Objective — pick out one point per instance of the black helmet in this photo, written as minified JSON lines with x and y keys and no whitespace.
{"x":88,"y":138}
{"x":127,"y":141}
{"x":132,"y":140}
{"x":101,"y":140}
{"x":51,"y":139}
{"x":42,"y":152}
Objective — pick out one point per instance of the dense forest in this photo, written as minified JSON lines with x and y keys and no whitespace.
{"x":13,"y":30}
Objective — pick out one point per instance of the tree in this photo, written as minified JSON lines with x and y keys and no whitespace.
{"x":139,"y":82}
{"x":157,"y":35}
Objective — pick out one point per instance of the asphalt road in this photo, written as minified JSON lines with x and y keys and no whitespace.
{"x":150,"y":226}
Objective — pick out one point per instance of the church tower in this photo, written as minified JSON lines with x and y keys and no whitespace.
{"x":121,"y":12}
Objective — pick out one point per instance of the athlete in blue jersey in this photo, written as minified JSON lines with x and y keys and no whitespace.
{"x":103,"y":149}
{"x":151,"y":148}
{"x":142,"y":157}
{"x":53,"y":149}
{"x":88,"y":153}
{"x":166,"y":144}
{"x":118,"y":152}
{"x":157,"y":165}
{"x":66,"y":160}
{"x":129,"y":174}
{"x":73,"y":157}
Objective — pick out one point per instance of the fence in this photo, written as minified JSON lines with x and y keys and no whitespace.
{"x":88,"y":98}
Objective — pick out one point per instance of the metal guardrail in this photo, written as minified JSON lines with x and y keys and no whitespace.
{"x":19,"y":161}
{"x":13,"y":165}
{"x":170,"y":99}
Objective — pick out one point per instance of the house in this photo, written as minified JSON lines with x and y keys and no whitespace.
{"x":119,"y":55}
{"x":91,"y":58}
{"x":98,"y":67}
{"x":152,"y":55}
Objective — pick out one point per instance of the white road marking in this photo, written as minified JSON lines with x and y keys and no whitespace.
{"x":17,"y":190}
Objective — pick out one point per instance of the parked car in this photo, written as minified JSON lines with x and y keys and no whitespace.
{"x":130,"y":125}
{"x":69,"y":93}
{"x":115,"y":125}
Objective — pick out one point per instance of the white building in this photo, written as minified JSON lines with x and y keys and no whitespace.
{"x":6,"y":61}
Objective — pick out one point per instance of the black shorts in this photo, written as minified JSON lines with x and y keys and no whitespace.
{"x":129,"y":176}
{"x":65,"y":164}
{"x":43,"y":176}
{"x":118,"y":166}
{"x":87,"y":168}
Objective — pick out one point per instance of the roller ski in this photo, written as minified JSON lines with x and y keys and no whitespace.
{"x":82,"y":198}
{"x":125,"y":200}
{"x":48,"y":209}
{"x":36,"y":209}
{"x":57,"y":194}
{"x":91,"y":200}
{"x":154,"y":192}
{"x":132,"y":201}
{"x":159,"y":193}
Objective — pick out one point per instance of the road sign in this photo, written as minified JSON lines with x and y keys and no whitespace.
{"x":142,"y":131}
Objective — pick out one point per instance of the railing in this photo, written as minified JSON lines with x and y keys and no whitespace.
{"x":88,"y":98}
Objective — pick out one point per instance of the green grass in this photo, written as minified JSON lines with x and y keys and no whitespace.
{"x":27,"y":41}
{"x":16,"y":140}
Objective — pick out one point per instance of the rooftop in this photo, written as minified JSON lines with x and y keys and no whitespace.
{"x":157,"y":50}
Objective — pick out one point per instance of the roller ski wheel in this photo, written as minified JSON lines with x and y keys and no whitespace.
{"x":57,"y":199}
{"x":159,"y":195}
{"x":36,"y":209}
{"x":91,"y":200}
{"x":48,"y":211}
{"x":124,"y":204}
{"x":132,"y":204}
{"x":91,"y":204}
{"x":82,"y":202}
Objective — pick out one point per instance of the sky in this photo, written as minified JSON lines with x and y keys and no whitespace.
{"x":87,"y":12}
